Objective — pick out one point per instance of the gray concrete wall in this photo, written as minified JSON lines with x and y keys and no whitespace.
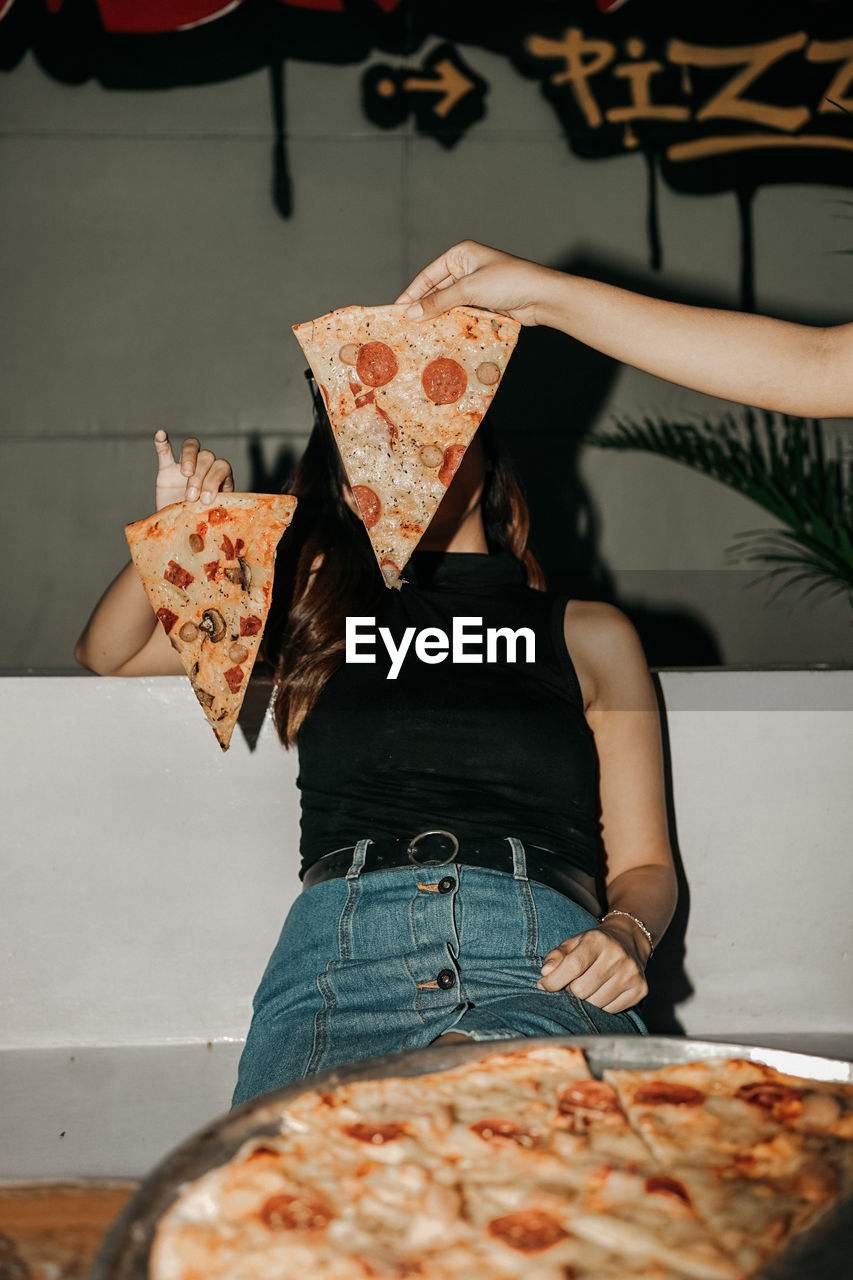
{"x":147,"y":281}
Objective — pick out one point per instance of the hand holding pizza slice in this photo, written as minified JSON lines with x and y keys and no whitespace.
{"x":404,"y":400}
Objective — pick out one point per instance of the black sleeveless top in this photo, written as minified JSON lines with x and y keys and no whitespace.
{"x":481,"y":749}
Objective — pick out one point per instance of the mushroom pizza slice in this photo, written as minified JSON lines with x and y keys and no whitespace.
{"x":208,"y":573}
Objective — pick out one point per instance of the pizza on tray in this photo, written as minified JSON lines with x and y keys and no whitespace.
{"x":521,"y":1165}
{"x":404,"y":398}
{"x":208,"y":572}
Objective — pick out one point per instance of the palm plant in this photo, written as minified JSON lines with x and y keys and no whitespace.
{"x":784,"y":465}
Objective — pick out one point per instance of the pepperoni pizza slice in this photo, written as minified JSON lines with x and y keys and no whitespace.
{"x":404,"y":398}
{"x":208,"y":573}
{"x":760,"y":1154}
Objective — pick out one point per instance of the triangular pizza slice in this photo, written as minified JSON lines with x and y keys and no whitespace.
{"x":208,"y":572}
{"x":404,"y":398}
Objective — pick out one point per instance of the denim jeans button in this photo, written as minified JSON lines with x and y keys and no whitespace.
{"x":446,"y":979}
{"x":446,"y":884}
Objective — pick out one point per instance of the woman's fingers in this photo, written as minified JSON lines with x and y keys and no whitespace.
{"x":595,"y":968}
{"x":211,"y":474}
{"x":189,"y":456}
{"x":165,"y":457}
{"x":436,"y":274}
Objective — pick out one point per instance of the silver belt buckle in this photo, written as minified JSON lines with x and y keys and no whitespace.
{"x":432,"y":862}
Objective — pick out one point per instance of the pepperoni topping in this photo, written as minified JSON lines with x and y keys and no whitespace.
{"x":528,"y":1230}
{"x":218,"y":515}
{"x":368,"y":504}
{"x":250,"y":626}
{"x":234,"y":678}
{"x":196,"y":542}
{"x":488,"y":373}
{"x":295,"y":1213}
{"x":444,"y":380}
{"x":506,"y":1130}
{"x":211,"y":569}
{"x":662,"y":1184}
{"x":587,"y":1095}
{"x":453,"y":455}
{"x":178,"y":576}
{"x":779,"y":1100}
{"x":367,"y":398}
{"x":376,"y":364}
{"x":660,"y":1092}
{"x":393,"y":430}
{"x":228,"y":547}
{"x":167,"y":618}
{"x":375,"y":1133}
{"x":239,"y":545}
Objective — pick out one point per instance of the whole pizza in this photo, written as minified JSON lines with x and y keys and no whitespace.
{"x":522,"y":1164}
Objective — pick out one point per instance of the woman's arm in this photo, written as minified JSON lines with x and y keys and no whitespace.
{"x":756,"y":360}
{"x":606,"y":965}
{"x":123,"y":636}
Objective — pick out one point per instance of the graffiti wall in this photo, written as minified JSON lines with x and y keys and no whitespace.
{"x":183,"y":181}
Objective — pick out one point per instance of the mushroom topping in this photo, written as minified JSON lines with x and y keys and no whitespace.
{"x":432,"y":456}
{"x":189,"y":632}
{"x":196,"y":542}
{"x":240,"y":573}
{"x":488,"y":373}
{"x":238,"y":653}
{"x":205,"y":698}
{"x":213,"y":624}
{"x":348,"y":353}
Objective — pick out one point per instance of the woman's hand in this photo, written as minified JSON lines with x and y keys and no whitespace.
{"x":604,"y":966}
{"x":472,"y":274}
{"x":198,"y":473}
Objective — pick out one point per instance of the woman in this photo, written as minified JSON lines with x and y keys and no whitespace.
{"x":456,"y":821}
{"x":791,"y":368}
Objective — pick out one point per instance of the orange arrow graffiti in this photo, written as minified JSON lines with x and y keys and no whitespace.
{"x":451,"y":83}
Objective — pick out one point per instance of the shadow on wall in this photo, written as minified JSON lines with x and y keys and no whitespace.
{"x":669,"y":985}
{"x":551,"y":396}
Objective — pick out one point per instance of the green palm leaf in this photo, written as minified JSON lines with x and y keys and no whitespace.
{"x":784,"y":466}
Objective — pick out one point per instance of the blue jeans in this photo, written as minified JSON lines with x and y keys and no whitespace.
{"x":389,"y":960}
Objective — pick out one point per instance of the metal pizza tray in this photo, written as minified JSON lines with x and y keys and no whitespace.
{"x":822,"y":1253}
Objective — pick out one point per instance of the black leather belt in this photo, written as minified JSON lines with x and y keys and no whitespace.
{"x":443,"y":849}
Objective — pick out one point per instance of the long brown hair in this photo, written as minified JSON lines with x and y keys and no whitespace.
{"x":326,"y":569}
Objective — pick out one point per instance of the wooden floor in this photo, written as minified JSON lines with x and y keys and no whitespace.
{"x":51,"y":1231}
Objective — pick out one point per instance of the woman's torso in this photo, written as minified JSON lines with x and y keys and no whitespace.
{"x":494,"y":747}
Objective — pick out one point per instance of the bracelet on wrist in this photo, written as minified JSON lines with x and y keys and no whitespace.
{"x":644,"y":927}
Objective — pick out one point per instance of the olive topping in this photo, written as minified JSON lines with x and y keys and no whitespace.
{"x":348,"y":353}
{"x":432,"y":456}
{"x":188,"y":632}
{"x":488,"y":373}
{"x":238,"y":653}
{"x":196,"y":542}
{"x":213,"y":624}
